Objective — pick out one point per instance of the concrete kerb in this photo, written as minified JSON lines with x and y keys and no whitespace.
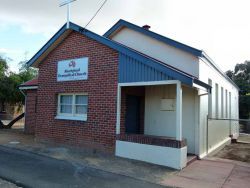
{"x":74,"y":164}
{"x":98,"y":160}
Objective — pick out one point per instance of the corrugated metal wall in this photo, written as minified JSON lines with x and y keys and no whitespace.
{"x":132,"y":70}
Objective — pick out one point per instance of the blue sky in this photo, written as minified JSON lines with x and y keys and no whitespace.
{"x":219,"y":27}
{"x":18,"y":44}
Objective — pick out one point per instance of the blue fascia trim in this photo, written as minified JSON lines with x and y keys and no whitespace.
{"x":122,"y":23}
{"x":123,"y":49}
{"x":47,"y":45}
{"x":187,"y":79}
{"x":116,"y":46}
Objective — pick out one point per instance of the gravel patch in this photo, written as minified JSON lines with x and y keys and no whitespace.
{"x":237,"y":151}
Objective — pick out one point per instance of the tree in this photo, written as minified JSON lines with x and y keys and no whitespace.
{"x":230,"y":74}
{"x":25,"y":74}
{"x":3,"y":73}
{"x":241,"y":77}
{"x":9,"y":82}
{"x":3,"y":67}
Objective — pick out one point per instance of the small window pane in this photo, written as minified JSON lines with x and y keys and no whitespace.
{"x":66,"y":99}
{"x":81,"y":99}
{"x":81,"y":109}
{"x":66,"y":109}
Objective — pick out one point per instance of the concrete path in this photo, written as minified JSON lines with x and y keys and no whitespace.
{"x":31,"y":170}
{"x":214,"y":173}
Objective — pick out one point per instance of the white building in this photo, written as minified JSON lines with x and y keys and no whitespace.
{"x":188,"y":119}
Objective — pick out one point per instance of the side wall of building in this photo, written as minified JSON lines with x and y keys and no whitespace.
{"x":30,"y":111}
{"x":222,"y":103}
{"x":101,"y":86}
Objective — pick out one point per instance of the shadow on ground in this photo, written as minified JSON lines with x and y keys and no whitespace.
{"x":15,"y":138}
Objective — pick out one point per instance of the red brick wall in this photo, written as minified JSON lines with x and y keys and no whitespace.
{"x":30,"y":111}
{"x":99,"y":130}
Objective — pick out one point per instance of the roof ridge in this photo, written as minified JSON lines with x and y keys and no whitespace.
{"x":140,"y":53}
{"x":64,"y":32}
{"x":123,"y":23}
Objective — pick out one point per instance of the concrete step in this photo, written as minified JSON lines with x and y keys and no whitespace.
{"x":191,"y":158}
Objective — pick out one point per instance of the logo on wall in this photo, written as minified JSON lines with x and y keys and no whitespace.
{"x":73,"y":69}
{"x":72,"y":64}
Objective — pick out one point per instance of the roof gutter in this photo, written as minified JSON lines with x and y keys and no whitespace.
{"x":27,"y":87}
{"x":202,"y":84}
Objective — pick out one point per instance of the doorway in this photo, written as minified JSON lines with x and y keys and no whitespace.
{"x":132,"y":118}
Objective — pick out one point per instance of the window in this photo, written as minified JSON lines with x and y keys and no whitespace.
{"x":210,"y":106}
{"x":217,"y":100}
{"x":72,"y":106}
{"x":229,"y":105}
{"x":226,"y":108}
{"x":222,"y":102}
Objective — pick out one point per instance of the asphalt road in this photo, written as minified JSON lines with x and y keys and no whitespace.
{"x":6,"y":184}
{"x":32,"y":170}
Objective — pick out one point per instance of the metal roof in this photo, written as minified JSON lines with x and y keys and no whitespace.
{"x":64,"y":32}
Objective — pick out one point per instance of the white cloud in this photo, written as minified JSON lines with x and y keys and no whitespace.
{"x":221,"y":28}
{"x":13,"y":57}
{"x":10,"y":51}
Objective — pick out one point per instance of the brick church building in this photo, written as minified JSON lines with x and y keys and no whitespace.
{"x":131,"y":92}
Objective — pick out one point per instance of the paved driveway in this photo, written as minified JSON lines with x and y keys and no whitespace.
{"x":212,"y":173}
{"x":229,"y":168}
{"x":31,"y":170}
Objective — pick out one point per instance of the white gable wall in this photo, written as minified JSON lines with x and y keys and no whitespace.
{"x":158,"y":50}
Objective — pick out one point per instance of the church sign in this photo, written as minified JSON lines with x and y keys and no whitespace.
{"x":73,"y":69}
